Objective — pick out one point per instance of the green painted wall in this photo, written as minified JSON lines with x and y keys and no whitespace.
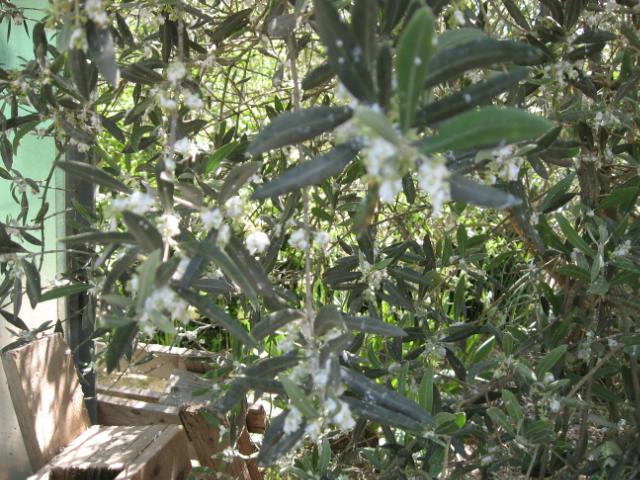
{"x":33,"y":159}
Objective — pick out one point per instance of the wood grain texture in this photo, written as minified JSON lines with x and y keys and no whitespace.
{"x":122,"y":411}
{"x":46,"y":395}
{"x":209,"y":445}
{"x":166,"y":458}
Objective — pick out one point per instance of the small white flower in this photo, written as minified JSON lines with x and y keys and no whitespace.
{"x":292,"y":421}
{"x":257,"y":242}
{"x":167,"y":103}
{"x":193,"y":101}
{"x":78,"y":39}
{"x":299,"y":239}
{"x":96,"y":12}
{"x":211,"y":218}
{"x":234,"y":207}
{"x":554,"y":405}
{"x":224,"y":234}
{"x":181,"y":268}
{"x":176,"y":72}
{"x":623,"y":249}
{"x":169,"y":225}
{"x":321,"y":239}
{"x":389,"y":189}
{"x":313,"y":430}
{"x":343,"y":418}
{"x":459,"y":16}
{"x":186,"y":147}
{"x":138,"y":203}
{"x":433,"y":178}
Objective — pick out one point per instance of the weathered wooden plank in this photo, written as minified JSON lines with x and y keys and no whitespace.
{"x":256,"y":418}
{"x":146,"y":395}
{"x":181,"y":387}
{"x":208,"y":444}
{"x":46,"y":395}
{"x":159,"y":361}
{"x":121,"y":411}
{"x":166,"y":458}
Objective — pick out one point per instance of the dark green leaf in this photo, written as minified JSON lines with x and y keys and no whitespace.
{"x":34,"y":288}
{"x":119,"y":344}
{"x":464,"y":190}
{"x":485,"y":127}
{"x":143,"y":231}
{"x":449,"y":63}
{"x":219,"y":316}
{"x":414,"y":54}
{"x":310,"y":173}
{"x":64,"y":291}
{"x":102,"y":52}
{"x":93,"y":174}
{"x":470,"y":97}
{"x":236,"y":179}
{"x":345,"y":54}
{"x":291,"y":128}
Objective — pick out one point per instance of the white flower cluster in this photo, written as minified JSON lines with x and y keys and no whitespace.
{"x":333,"y":410}
{"x":507,"y":164}
{"x":169,"y":225}
{"x":138,"y":202}
{"x":300,"y":239}
{"x":95,"y":11}
{"x":433,"y":178}
{"x":176,"y":72}
{"x":162,"y":302}
{"x":257,"y":242}
{"x":622,"y":250}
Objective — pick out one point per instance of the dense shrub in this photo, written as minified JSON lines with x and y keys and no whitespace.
{"x":412,"y":226}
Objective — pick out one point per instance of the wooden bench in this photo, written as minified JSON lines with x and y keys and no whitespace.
{"x":158,"y":386}
{"x":55,"y":426}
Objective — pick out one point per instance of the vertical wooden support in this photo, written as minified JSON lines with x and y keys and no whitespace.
{"x":209,"y":445}
{"x":46,"y":395}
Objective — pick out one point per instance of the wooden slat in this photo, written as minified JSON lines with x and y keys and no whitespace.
{"x":121,"y":411}
{"x":166,"y":458}
{"x":46,"y":395}
{"x":180,"y":388}
{"x":159,"y":361}
{"x":256,"y":418}
{"x":143,"y":394}
{"x":208,"y":445}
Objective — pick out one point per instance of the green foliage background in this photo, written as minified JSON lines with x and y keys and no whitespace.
{"x":482,"y":322}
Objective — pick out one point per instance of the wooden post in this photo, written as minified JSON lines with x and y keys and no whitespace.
{"x":207,"y":443}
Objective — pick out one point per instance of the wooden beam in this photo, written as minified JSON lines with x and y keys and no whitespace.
{"x":121,"y":411}
{"x":46,"y":395}
{"x":247,"y":448}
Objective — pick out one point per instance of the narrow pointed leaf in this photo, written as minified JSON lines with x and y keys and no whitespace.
{"x":374,"y":326}
{"x":93,"y":174}
{"x":143,"y":230}
{"x":414,"y":53}
{"x":464,"y":190}
{"x":313,"y":172}
{"x":219,"y":316}
{"x":345,"y":54}
{"x":470,"y":97}
{"x":449,"y":63}
{"x":291,"y":128}
{"x":485,"y":127}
